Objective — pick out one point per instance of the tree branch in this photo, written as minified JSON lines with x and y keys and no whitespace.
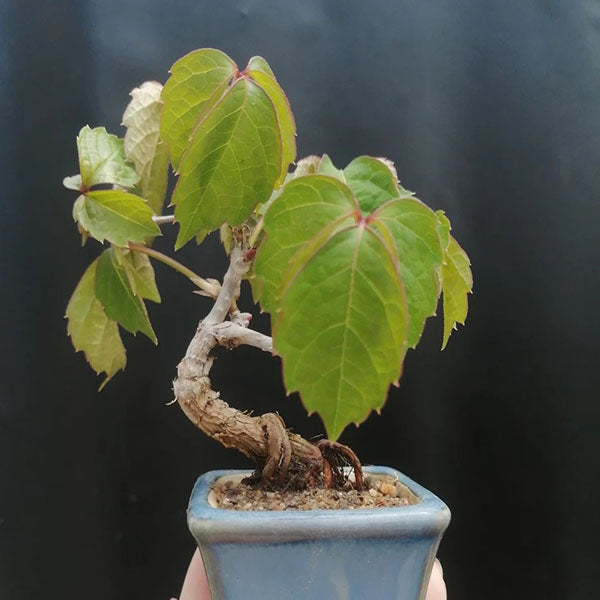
{"x":230,"y":290}
{"x":231,"y":335}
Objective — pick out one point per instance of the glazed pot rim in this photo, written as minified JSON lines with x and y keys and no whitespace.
{"x":427,"y":516}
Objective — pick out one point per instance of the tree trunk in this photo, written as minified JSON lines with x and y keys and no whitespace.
{"x":283,"y":456}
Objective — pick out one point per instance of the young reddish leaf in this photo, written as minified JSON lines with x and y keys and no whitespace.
{"x":197,"y":81}
{"x":102,"y":159}
{"x":142,"y":143}
{"x":116,"y":216}
{"x":231,"y":163}
{"x":118,"y":297}
{"x":91,"y":331}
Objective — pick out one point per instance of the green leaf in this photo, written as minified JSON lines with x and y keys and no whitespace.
{"x":102,"y":160}
{"x":118,"y":297}
{"x":372,"y":182}
{"x":457,"y":282}
{"x":326,"y":167}
{"x":91,"y":330}
{"x":412,"y":227}
{"x":116,"y":216}
{"x":231,"y":164}
{"x":342,"y":328}
{"x":141,"y":274}
{"x":287,"y":125}
{"x":197,"y":81}
{"x":306,"y":206}
{"x":142,"y":143}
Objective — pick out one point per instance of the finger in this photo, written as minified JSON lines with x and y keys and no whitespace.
{"x":437,"y":587}
{"x":195,"y":586}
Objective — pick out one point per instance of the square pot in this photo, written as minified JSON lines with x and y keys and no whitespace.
{"x":357,"y":554}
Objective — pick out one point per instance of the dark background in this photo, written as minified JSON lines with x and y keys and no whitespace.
{"x":491,"y":111}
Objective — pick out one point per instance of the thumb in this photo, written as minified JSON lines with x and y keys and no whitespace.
{"x":437,"y":587}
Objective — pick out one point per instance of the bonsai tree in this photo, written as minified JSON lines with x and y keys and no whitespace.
{"x":348,"y":263}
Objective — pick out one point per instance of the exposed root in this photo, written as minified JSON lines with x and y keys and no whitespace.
{"x":280,"y":451}
{"x":336,"y":456}
{"x":327,"y":474}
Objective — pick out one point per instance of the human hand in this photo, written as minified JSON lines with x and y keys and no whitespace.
{"x":195,"y":586}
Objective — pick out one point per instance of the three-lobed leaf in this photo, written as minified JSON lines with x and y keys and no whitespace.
{"x":142,"y":143}
{"x":348,"y":292}
{"x":102,"y":160}
{"x":231,"y":137}
{"x":118,"y":296}
{"x":116,"y":216}
{"x":231,"y":163}
{"x":91,"y":331}
{"x":197,"y":81}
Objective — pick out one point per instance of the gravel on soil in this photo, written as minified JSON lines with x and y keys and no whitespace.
{"x":379,"y":492}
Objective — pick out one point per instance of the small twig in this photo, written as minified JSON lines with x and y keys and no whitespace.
{"x":163,"y":219}
{"x":206,"y":286}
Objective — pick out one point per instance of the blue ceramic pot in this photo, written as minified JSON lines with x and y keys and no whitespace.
{"x":355,"y":554}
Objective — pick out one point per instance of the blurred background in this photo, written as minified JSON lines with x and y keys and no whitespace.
{"x":491,"y":112}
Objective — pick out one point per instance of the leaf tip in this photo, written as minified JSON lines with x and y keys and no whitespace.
{"x":103,"y":384}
